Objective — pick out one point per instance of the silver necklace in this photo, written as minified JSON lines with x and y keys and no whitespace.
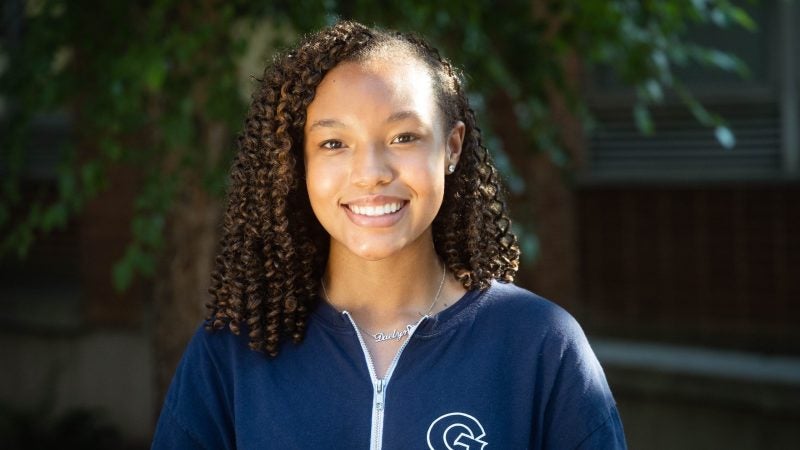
{"x":395,"y":334}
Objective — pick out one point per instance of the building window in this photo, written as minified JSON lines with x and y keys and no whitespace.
{"x":762,"y":111}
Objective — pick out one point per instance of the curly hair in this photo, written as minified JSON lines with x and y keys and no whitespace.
{"x":273,"y":250}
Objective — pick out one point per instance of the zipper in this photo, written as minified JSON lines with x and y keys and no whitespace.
{"x":379,"y":384}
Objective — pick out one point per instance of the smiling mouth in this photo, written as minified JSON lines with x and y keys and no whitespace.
{"x":377,"y":210}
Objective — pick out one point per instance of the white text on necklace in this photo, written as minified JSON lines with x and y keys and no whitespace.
{"x":396,"y":334}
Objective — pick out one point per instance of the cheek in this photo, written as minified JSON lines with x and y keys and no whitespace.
{"x":323,"y":183}
{"x":428,"y":179}
{"x":319,"y":185}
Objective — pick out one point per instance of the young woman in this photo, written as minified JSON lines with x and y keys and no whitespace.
{"x":366,"y":225}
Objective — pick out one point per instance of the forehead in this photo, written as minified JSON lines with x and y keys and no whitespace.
{"x":375,"y":88}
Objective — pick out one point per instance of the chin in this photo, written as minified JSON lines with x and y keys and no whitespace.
{"x":375,"y":251}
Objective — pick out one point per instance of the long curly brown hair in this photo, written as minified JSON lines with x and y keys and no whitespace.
{"x":273,"y":251}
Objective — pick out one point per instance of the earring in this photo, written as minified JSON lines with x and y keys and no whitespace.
{"x":451,"y":168}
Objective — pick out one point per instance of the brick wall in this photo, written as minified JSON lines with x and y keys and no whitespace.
{"x":702,"y":265}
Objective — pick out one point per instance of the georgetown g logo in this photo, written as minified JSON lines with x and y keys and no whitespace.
{"x":456,"y":431}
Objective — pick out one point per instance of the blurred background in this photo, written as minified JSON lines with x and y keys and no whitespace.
{"x":651,"y":151}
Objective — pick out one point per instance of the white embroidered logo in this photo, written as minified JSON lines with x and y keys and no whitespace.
{"x":456,"y":431}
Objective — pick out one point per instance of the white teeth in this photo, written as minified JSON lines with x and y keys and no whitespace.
{"x":374,"y":211}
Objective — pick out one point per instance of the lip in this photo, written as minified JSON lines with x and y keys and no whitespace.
{"x":386,"y":220}
{"x":374,"y":200}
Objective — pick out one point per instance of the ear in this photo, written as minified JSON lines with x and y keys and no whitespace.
{"x":455,"y":141}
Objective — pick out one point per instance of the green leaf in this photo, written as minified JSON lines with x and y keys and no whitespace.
{"x":112,"y":149}
{"x":652,"y":91}
{"x":641,"y":115}
{"x":55,"y":216}
{"x":67,"y":184}
{"x":719,"y":18}
{"x":122,"y":273}
{"x":743,"y":19}
{"x":726,"y":61}
{"x":93,"y":178}
{"x":725,"y":137}
{"x":154,"y":75}
{"x":148,"y":230}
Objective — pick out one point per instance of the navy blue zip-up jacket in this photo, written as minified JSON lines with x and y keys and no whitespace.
{"x":499,"y":369}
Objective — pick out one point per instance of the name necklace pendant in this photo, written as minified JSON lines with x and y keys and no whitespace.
{"x":396,"y":334}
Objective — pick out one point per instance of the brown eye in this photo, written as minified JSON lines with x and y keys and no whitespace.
{"x":332,"y":144}
{"x":404,"y":138}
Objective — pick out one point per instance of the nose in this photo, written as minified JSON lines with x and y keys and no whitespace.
{"x":371,"y":166}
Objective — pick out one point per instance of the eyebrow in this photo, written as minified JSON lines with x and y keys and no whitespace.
{"x":326,"y":123}
{"x":402,"y":115}
{"x":333,"y":123}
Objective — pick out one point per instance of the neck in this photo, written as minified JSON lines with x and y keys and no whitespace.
{"x":384,"y":293}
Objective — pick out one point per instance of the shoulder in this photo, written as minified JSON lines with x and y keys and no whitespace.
{"x":213,"y":361}
{"x":215,"y":345}
{"x":520,"y":308}
{"x":570,"y":386}
{"x":209,"y":355}
{"x":532,"y":325}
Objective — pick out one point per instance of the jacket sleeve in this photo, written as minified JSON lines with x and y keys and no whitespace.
{"x":576,"y":406}
{"x":197,"y":411}
{"x":608,"y":435}
{"x":170,"y":434}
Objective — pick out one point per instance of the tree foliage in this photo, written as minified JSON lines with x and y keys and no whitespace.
{"x":145,"y":83}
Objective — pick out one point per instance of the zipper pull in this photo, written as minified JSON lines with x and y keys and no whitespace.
{"x":379,"y":390}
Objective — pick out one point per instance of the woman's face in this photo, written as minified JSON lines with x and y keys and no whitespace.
{"x":376,"y":154}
